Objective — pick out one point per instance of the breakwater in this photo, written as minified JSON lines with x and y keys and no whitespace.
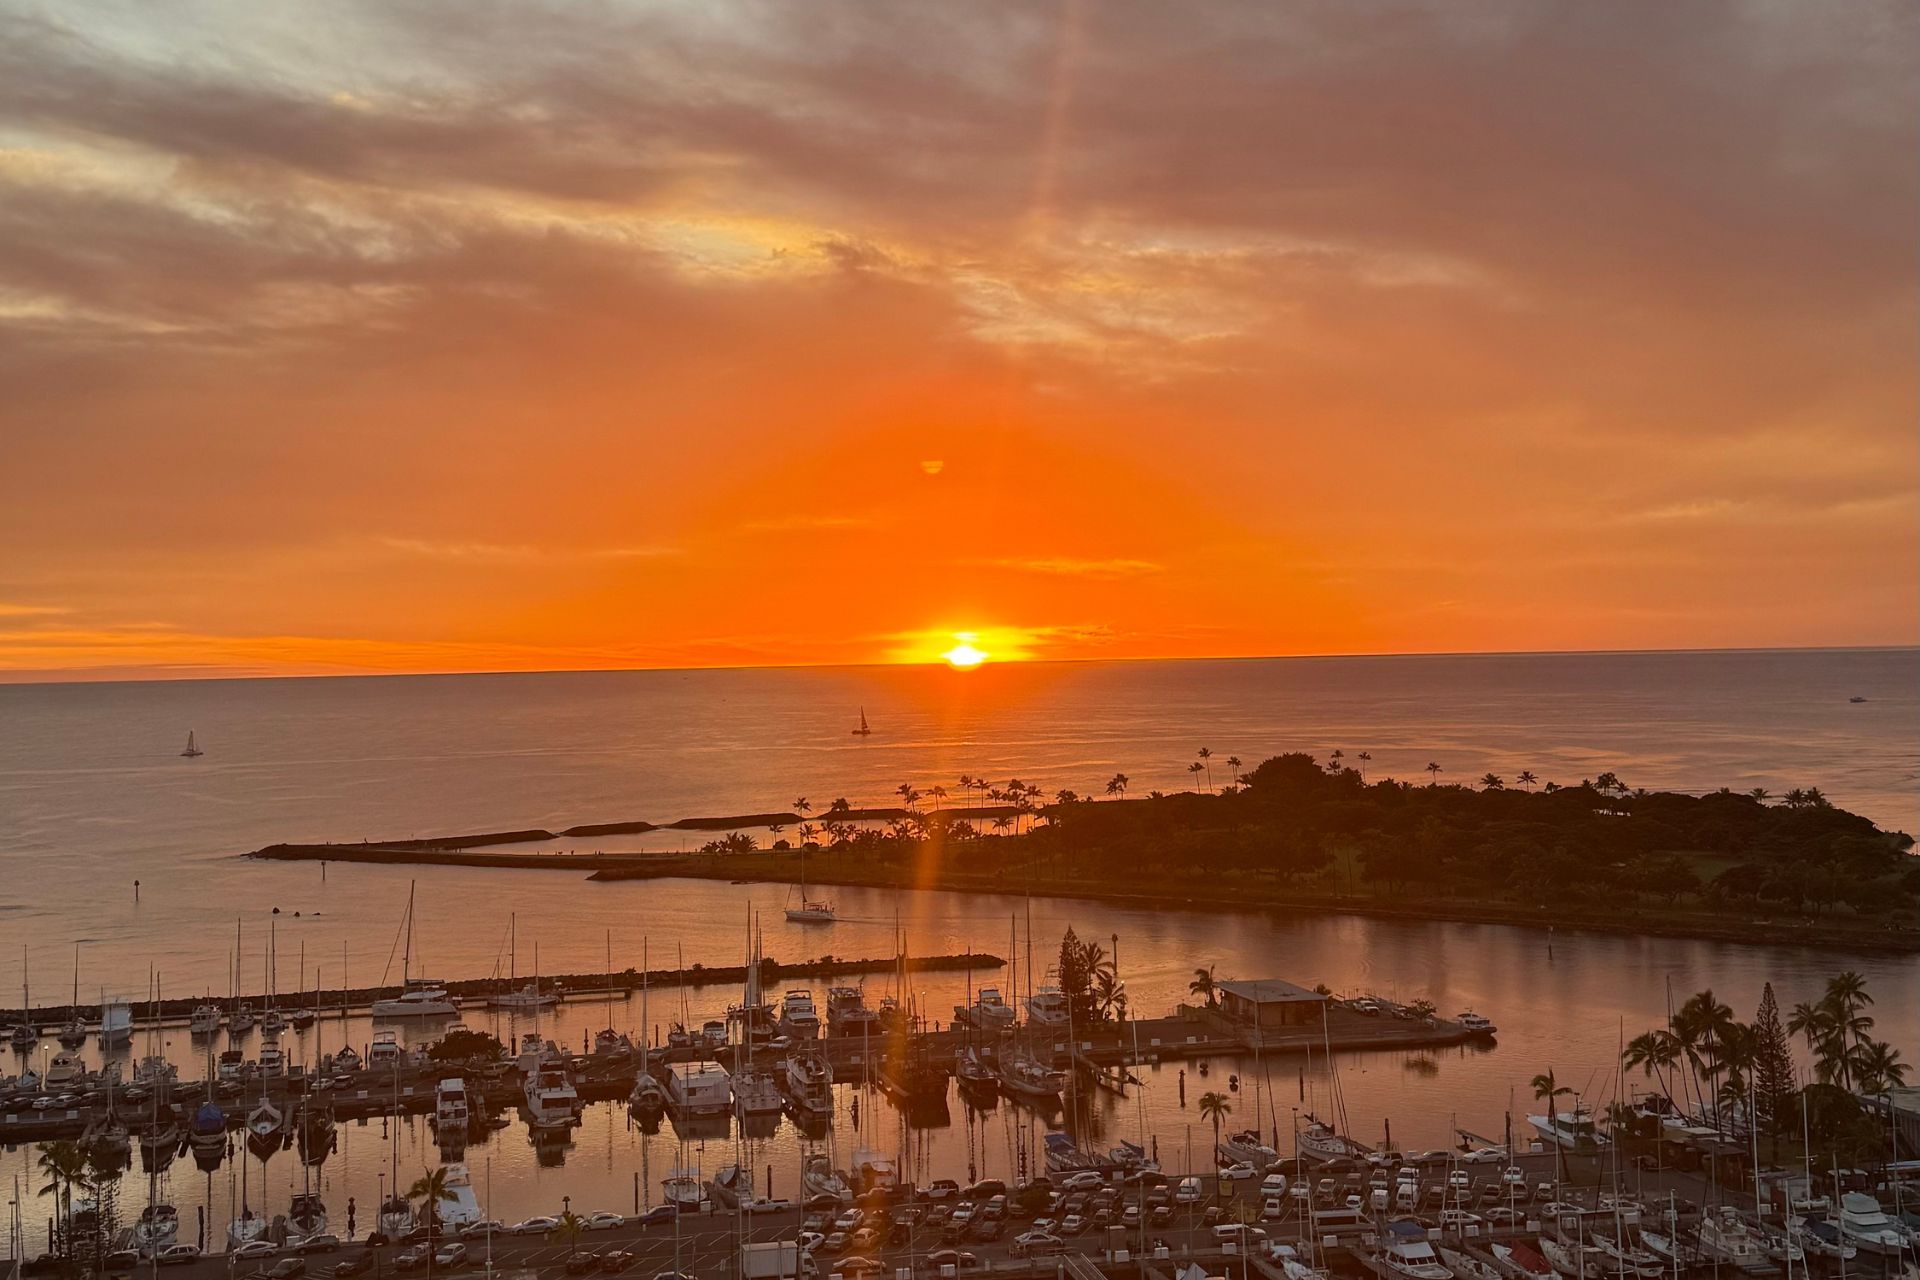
{"x":622,"y":982}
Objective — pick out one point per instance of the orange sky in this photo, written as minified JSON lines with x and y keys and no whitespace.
{"x":445,"y":337}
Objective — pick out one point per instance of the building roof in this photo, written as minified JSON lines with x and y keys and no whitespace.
{"x":1269,"y":991}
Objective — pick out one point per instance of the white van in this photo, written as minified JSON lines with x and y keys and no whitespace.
{"x":1188,"y":1192}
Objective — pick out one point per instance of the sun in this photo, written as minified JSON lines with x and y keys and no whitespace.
{"x":965,"y":655}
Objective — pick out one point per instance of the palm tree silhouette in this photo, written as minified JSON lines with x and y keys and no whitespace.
{"x":1117,"y":785}
{"x":1203,"y":985}
{"x":1492,"y":782}
{"x":1526,"y":778}
{"x":1194,"y":769}
{"x":1215,"y":1107}
{"x":1761,"y":794}
{"x":1433,"y":772}
{"x":1233,"y":767}
{"x":431,"y":1189}
{"x":1365,"y":758}
{"x":1206,"y":759}
{"x":568,"y":1228}
{"x":1549,"y":1090}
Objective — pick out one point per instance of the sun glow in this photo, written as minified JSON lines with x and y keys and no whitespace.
{"x":965,"y":655}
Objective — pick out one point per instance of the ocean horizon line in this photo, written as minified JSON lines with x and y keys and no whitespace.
{"x":59,"y":677}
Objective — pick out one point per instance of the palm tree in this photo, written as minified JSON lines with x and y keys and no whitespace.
{"x":1205,"y":987}
{"x":808,"y":833}
{"x":802,"y":806}
{"x":1206,"y":761}
{"x":1433,"y":773}
{"x":1877,"y":1067}
{"x":1195,"y":769}
{"x":1002,"y":823}
{"x":1365,"y":758}
{"x":1655,"y":1053}
{"x":1215,"y":1107}
{"x":568,"y":1228}
{"x":1233,"y":768}
{"x":1109,"y":993}
{"x":431,"y":1190}
{"x":1761,"y":794}
{"x":938,"y":793}
{"x":1334,"y":759}
{"x":1492,"y":782}
{"x":65,"y":1165}
{"x":1550,"y":1091}
{"x":1117,"y":786}
{"x":1526,"y":778}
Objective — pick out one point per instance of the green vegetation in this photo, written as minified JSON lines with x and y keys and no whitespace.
{"x":1707,"y":1062}
{"x":463,"y":1044}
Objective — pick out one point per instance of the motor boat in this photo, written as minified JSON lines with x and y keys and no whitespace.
{"x":552,"y":1102}
{"x":1868,"y":1228}
{"x":418,"y":998}
{"x":698,"y":1088}
{"x":205,"y":1020}
{"x":989,"y":1011}
{"x":385,"y":1051}
{"x":798,"y":1018}
{"x":681,"y":1189}
{"x":1475,"y":1024}
{"x":1246,"y":1145}
{"x":1404,"y":1252}
{"x":63,"y":1070}
{"x":158,"y":1226}
{"x":1047,"y":1006}
{"x":808,"y":1078}
{"x":848,"y":1014}
{"x":1570,"y":1130}
{"x":1725,"y":1237}
{"x":1521,"y":1261}
{"x":756,"y":1094}
{"x":450,"y":1109}
{"x":463,"y":1209}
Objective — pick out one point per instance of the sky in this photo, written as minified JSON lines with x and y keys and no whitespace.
{"x":407,"y":335}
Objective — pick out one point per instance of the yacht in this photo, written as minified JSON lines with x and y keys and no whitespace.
{"x":242,"y":1020}
{"x":649,"y":1096}
{"x":273,"y":1022}
{"x":681,"y":1188}
{"x":527,"y":997}
{"x":245,"y":1229}
{"x":811,"y":911}
{"x":385,"y":1050}
{"x":346,"y":1060}
{"x":205,"y":1020}
{"x":1623,"y":1259}
{"x":208,"y":1129}
{"x":848,"y":1014}
{"x":73,"y":1034}
{"x":809,"y":1080}
{"x":396,"y":1216}
{"x":450,"y":1104}
{"x":1475,"y":1024}
{"x":266,"y":1120}
{"x":873,"y":1171}
{"x":698,"y":1088}
{"x":306,"y":1218}
{"x":1727,"y":1238}
{"x":1573,"y":1130}
{"x":1065,"y":1156}
{"x":1575,"y":1261}
{"x":273,"y":1060}
{"x":1820,"y":1238}
{"x":1404,"y":1252}
{"x":989,"y":1012}
{"x":157,"y":1228}
{"x":1022,"y":1076}
{"x":552,"y":1102}
{"x":116,"y":1024}
{"x":418,"y":998}
{"x":463,"y":1209}
{"x":819,"y":1178}
{"x":730,"y":1187}
{"x":1465,"y":1266}
{"x":756,"y":1094}
{"x":109,"y":1141}
{"x":1867,"y":1227}
{"x":1520,"y":1261}
{"x":1048,"y":1006}
{"x":63,"y":1070}
{"x":798,"y":1018}
{"x":976,"y":1075}
{"x":1318,"y":1140}
{"x":1246,"y":1145}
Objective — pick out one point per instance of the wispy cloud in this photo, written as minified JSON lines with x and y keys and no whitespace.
{"x":516,"y":553}
{"x":1076,"y":566}
{"x":806,"y":523}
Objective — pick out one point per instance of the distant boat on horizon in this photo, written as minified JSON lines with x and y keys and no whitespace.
{"x":864,"y":731}
{"x":1856,"y":698}
{"x":192,"y":750}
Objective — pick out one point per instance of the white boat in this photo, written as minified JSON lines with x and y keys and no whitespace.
{"x":1475,"y":1023}
{"x":1625,"y":1259}
{"x":529,"y":996}
{"x":810,"y":910}
{"x":989,"y":1012}
{"x":1048,"y":1006}
{"x":450,"y":1110}
{"x":1821,"y":1239}
{"x":1464,"y":1266}
{"x":193,"y":748}
{"x":242,"y":1020}
{"x":419,"y":997}
{"x":1571,"y":1130}
{"x":273,"y":1059}
{"x":648,"y":1096}
{"x":730,"y":1187}
{"x":396,"y":1216}
{"x":1404,"y":1254}
{"x":698,"y":1088}
{"x":819,"y":1178}
{"x":385,"y":1051}
{"x":273,"y":1022}
{"x":1246,"y":1145}
{"x":306,"y":1218}
{"x":266,"y":1120}
{"x":1725,"y":1237}
{"x":1866,"y":1226}
{"x":848,"y":1014}
{"x":552,"y":1102}
{"x":1575,"y":1261}
{"x":116,"y":1023}
{"x":873,"y":1171}
{"x":1319,"y":1141}
{"x":246,"y":1228}
{"x":798,"y":1018}
{"x":809,"y":1080}
{"x":1023,"y":1076}
{"x":205,"y":1020}
{"x":681,"y":1188}
{"x":159,"y":1224}
{"x":63,"y":1070}
{"x":464,"y":1208}
{"x":756,"y":1094}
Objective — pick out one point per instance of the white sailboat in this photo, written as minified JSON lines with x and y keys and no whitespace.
{"x":419,"y":997}
{"x":527,"y":997}
{"x":192,"y":750}
{"x":809,"y":911}
{"x":864,"y":730}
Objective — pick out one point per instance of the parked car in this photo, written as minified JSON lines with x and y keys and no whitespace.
{"x":176,"y":1254}
{"x":1085,"y":1180}
{"x":582,"y":1262}
{"x":287,"y":1269}
{"x":615,"y":1260}
{"x":325,"y":1242}
{"x":605,"y":1220}
{"x":359,"y":1264}
{"x":959,"y":1259}
{"x":1036,"y":1244}
{"x":254,"y":1249}
{"x":942,"y":1189}
{"x":451,"y":1254}
{"x":486,"y":1227}
{"x":1239,"y":1171}
{"x":660,"y":1213}
{"x":535,"y":1226}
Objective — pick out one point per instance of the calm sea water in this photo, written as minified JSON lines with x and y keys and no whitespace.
{"x":94,"y":796}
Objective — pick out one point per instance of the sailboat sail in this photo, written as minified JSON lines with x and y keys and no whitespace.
{"x":192,"y":749}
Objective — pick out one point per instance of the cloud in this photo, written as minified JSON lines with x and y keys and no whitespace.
{"x":1077,"y":567}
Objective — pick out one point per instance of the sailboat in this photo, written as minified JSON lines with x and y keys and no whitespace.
{"x":27,"y":1033}
{"x":419,"y":997}
{"x":305,"y":1017}
{"x":191,"y":750}
{"x":74,"y":1033}
{"x":809,"y":912}
{"x":865,"y":730}
{"x":527,"y":997}
{"x":649,"y":1096}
